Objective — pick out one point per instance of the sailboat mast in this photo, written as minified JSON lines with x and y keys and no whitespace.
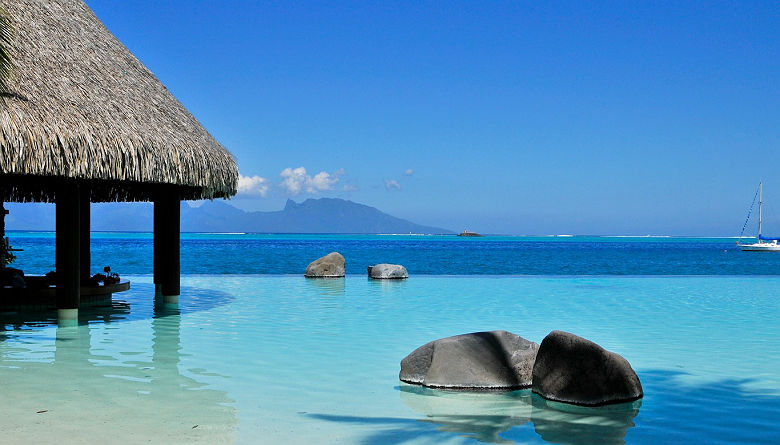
{"x":760,"y":206}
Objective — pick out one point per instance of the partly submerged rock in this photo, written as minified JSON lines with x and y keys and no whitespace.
{"x":387,"y":272}
{"x":331,"y":265}
{"x":492,"y":360}
{"x":574,"y":370}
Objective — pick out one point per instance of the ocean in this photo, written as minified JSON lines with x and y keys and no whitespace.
{"x":131,"y":253}
{"x":255,"y":353}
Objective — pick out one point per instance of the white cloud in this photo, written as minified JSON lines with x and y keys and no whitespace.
{"x":392,"y":184}
{"x":349,"y":188}
{"x":409,"y":172}
{"x":320,"y":181}
{"x":293,"y":180}
{"x":253,"y":187}
{"x":296,"y":180}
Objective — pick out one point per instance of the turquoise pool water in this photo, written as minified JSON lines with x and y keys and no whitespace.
{"x":281,"y":359}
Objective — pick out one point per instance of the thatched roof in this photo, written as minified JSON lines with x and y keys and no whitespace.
{"x":82,"y":107}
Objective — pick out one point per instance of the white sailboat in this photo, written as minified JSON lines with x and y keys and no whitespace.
{"x":764,"y":244}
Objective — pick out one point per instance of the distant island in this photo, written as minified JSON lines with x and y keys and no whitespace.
{"x":323,"y":215}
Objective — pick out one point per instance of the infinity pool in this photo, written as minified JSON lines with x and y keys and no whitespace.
{"x":282,"y":359}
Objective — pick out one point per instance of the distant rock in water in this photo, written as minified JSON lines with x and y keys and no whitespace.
{"x":387,"y":272}
{"x":467,"y":233}
{"x":331,"y":265}
{"x":574,"y":370}
{"x":492,"y":360}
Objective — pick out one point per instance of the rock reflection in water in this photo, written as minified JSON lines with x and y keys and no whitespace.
{"x":491,"y":416}
{"x":478,"y":415}
{"x":388,"y":286}
{"x":328,"y":286}
{"x":570,"y":424}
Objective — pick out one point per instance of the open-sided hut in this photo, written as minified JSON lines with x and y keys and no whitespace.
{"x":84,"y":121}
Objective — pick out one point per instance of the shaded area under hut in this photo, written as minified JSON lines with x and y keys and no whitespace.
{"x":81,"y":121}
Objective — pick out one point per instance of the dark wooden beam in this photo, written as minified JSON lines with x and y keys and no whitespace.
{"x":3,"y":212}
{"x":68,"y":246}
{"x":84,"y":229}
{"x":157,"y":217}
{"x":167,"y":223}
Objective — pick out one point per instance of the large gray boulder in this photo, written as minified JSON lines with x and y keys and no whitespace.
{"x":387,"y":272}
{"x":331,"y":265}
{"x":574,"y":370}
{"x":478,"y":361}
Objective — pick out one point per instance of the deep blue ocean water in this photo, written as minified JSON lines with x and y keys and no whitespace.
{"x":255,"y":353}
{"x":131,"y":253}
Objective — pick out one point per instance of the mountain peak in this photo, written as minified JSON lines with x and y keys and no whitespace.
{"x":328,"y":215}
{"x":319,"y":203}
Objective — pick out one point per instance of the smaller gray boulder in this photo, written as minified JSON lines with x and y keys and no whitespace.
{"x":571,"y":369}
{"x":331,"y":265}
{"x":495,"y":360}
{"x":387,"y":272}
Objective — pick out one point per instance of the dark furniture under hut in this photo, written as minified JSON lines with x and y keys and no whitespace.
{"x":82,"y":121}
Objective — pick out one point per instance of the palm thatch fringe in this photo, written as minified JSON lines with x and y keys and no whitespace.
{"x":25,"y":188}
{"x":6,"y":39}
{"x":83,"y":107}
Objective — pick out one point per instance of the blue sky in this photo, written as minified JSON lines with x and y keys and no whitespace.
{"x":503,"y":117}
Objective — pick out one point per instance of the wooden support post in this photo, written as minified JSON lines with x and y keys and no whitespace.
{"x":157,"y":247}
{"x":159,"y":217}
{"x":3,"y":212}
{"x":84,"y":228}
{"x":167,"y":215}
{"x":68,"y":246}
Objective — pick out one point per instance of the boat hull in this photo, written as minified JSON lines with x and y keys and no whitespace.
{"x":760,"y":247}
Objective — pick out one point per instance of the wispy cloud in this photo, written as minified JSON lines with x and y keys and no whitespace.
{"x":409,"y":172}
{"x":296,"y":180}
{"x":392,"y":184}
{"x":253,"y":187}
